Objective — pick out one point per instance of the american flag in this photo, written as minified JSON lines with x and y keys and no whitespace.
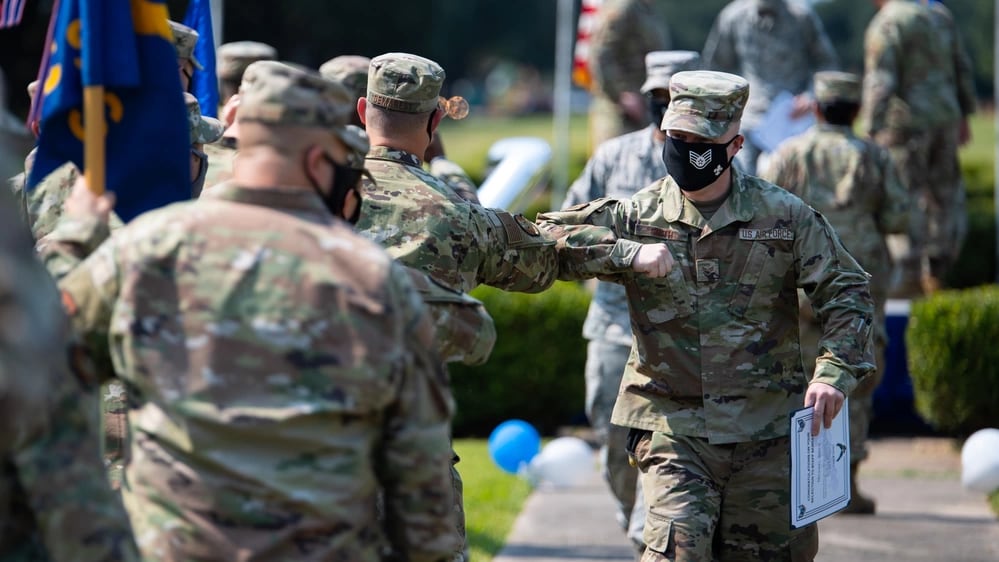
{"x":11,"y":12}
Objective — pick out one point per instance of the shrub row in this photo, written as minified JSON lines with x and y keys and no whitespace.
{"x":535,"y":372}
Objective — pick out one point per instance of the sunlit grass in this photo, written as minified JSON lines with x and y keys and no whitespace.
{"x":493,"y":498}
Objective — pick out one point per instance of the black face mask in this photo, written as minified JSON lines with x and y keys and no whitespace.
{"x":657,"y":108}
{"x":345,"y":180}
{"x":694,"y":165}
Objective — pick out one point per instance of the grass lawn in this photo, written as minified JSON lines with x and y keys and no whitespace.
{"x":493,"y":498}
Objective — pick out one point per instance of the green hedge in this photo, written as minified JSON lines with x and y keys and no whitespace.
{"x":953,"y":357}
{"x":535,"y":372}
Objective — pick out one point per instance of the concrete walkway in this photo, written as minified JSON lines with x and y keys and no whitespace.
{"x":923,"y":514}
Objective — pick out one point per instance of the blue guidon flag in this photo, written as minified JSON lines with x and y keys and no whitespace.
{"x":127,"y":47}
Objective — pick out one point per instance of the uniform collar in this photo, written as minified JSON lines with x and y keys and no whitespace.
{"x":288,"y":198}
{"x":737,"y":208}
{"x":395,"y":155}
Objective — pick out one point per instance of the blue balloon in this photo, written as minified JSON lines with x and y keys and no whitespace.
{"x":513,"y":443}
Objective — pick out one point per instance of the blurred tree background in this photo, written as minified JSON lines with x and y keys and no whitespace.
{"x":483,"y":44}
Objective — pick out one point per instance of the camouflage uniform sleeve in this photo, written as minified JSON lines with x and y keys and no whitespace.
{"x":782,"y":170}
{"x":893,"y":216}
{"x":517,"y":256}
{"x":591,"y":184}
{"x":415,"y":468}
{"x":89,"y":293}
{"x":719,"y":48}
{"x":881,"y":56}
{"x":587,"y":242}
{"x":72,"y":240}
{"x":455,"y":177}
{"x":47,"y":425}
{"x":838,"y":288}
{"x":464,"y":331}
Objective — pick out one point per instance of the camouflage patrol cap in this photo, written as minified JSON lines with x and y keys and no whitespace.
{"x":281,"y":94}
{"x":184,"y":40}
{"x":233,"y":58}
{"x":833,"y":86}
{"x":705,"y":102}
{"x":204,"y":130}
{"x":660,"y":66}
{"x":351,"y":71}
{"x":404,"y":82}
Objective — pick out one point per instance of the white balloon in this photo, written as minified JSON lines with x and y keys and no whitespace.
{"x":980,"y":461}
{"x":563,"y":462}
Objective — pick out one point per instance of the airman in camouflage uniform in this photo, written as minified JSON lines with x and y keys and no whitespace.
{"x":418,"y":218}
{"x":232,"y":59}
{"x":852,"y":182}
{"x":619,"y":168}
{"x":625,"y":30}
{"x":55,"y":503}
{"x":280,"y":367}
{"x":776,"y":45}
{"x":352,"y":72}
{"x":715,"y":368}
{"x":917,"y":96}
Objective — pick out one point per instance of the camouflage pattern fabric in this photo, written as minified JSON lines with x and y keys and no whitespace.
{"x":44,"y":203}
{"x":269,"y":408}
{"x":916,"y":72}
{"x":184,"y":41}
{"x":917,"y":88}
{"x":618,"y":168}
{"x":233,"y":58}
{"x":463,"y":329}
{"x":55,"y":503}
{"x":705,"y":102}
{"x":719,"y":502}
{"x":349,"y":70}
{"x":425,"y":225}
{"x":455,"y":177}
{"x":716,"y":352}
{"x":624,"y":32}
{"x":404,"y":82}
{"x":202,"y":129}
{"x":853,"y":183}
{"x":775,"y":44}
{"x":220,"y":157}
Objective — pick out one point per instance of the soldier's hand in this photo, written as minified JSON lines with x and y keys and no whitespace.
{"x":654,"y":260}
{"x":84,"y":203}
{"x":828,"y":401}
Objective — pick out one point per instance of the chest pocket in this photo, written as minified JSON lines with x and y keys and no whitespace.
{"x":663,"y":299}
{"x":761,"y":281}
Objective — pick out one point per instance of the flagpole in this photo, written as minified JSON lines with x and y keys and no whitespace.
{"x":94,"y":134}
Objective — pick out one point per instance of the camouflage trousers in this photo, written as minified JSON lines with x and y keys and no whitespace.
{"x":718,"y":502}
{"x":861,"y":403}
{"x":928,"y":166}
{"x":605,"y":362}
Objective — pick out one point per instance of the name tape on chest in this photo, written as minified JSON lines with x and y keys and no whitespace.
{"x":769,"y":234}
{"x":657,"y":232}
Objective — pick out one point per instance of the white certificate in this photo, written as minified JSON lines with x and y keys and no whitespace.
{"x":820,"y":467}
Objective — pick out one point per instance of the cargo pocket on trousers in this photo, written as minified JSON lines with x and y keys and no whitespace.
{"x":658,"y":534}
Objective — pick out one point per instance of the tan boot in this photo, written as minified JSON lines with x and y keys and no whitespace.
{"x":859,"y":504}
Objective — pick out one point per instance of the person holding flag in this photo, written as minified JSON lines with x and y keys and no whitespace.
{"x":110,"y":86}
